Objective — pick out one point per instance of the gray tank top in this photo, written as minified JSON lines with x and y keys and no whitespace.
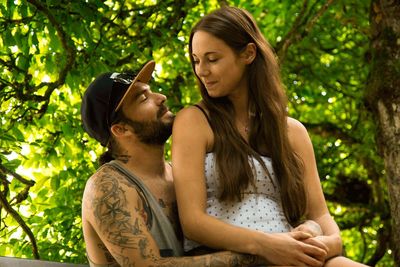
{"x":161,"y":228}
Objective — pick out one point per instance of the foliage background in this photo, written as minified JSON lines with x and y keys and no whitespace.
{"x":50,"y":50}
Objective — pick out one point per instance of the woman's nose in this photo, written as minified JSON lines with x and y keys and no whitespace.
{"x":202,"y":70}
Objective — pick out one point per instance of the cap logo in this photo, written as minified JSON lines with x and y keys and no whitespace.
{"x":114,"y":75}
{"x":122,"y":78}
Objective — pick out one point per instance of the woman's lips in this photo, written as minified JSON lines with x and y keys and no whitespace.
{"x":210,"y":84}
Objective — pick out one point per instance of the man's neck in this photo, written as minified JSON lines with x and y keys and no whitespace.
{"x":146,"y":161}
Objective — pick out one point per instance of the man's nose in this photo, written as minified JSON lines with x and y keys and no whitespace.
{"x":160,"y":98}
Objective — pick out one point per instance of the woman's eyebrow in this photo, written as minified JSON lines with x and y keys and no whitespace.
{"x":206,"y":54}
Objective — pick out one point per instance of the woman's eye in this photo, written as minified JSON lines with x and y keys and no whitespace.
{"x":213,"y":60}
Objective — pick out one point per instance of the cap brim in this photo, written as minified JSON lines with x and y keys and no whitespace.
{"x":143,"y":76}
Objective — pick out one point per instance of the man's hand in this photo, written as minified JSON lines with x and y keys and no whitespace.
{"x":310,"y":227}
{"x":313,"y":228}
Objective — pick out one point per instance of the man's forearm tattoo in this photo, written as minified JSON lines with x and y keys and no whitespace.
{"x":219,"y":259}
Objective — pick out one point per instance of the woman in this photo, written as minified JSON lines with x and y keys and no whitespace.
{"x":244,"y":172}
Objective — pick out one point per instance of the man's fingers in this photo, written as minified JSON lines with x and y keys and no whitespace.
{"x":299,"y":235}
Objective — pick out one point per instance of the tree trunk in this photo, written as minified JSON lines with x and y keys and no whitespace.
{"x":383,"y":97}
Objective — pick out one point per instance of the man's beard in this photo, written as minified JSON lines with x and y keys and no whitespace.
{"x":154,"y":132}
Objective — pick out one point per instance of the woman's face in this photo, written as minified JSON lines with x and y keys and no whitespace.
{"x":220,"y":69}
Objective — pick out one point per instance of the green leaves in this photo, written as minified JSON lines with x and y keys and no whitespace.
{"x":324,"y":70}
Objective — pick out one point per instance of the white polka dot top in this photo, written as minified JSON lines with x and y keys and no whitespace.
{"x":261,"y":210}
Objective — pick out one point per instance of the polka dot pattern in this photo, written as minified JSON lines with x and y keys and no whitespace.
{"x":260,"y":209}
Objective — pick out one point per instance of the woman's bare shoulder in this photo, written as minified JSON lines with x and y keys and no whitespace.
{"x":192,"y":125}
{"x":192,"y":115}
{"x":297,"y":133}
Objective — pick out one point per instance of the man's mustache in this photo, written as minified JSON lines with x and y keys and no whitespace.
{"x":161,"y":111}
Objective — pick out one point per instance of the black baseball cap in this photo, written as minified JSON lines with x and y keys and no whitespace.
{"x":104,"y":97}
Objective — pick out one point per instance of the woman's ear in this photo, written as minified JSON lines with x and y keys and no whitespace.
{"x":249,"y":53}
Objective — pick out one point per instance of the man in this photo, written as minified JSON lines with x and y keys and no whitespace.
{"x":129,"y":214}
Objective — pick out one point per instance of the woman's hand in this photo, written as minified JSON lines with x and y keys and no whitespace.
{"x":291,"y":249}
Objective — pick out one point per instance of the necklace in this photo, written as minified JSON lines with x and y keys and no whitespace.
{"x":245,"y":126}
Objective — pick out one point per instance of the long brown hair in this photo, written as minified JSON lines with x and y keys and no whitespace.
{"x":268,"y":124}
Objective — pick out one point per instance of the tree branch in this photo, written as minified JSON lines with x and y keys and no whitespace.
{"x":70,"y":56}
{"x":329,"y":129}
{"x":4,"y":203}
{"x":283,"y":45}
{"x":17,"y":176}
{"x":383,"y":238}
{"x":296,"y":34}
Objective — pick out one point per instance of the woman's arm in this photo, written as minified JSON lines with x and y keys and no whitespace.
{"x":316,"y":208}
{"x":191,"y":139}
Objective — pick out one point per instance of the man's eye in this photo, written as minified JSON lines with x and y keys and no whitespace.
{"x":143,"y":97}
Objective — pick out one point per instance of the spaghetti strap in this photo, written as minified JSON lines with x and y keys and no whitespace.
{"x":204,"y":112}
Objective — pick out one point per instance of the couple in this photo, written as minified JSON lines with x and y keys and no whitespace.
{"x":244,"y":173}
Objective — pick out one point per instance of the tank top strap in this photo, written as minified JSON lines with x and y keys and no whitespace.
{"x":161,"y":229}
{"x":204,"y":112}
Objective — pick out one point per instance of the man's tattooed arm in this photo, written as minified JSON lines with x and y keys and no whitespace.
{"x":115,"y":210}
{"x":218,"y":259}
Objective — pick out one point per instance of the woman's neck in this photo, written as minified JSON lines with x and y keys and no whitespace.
{"x":240,"y":102}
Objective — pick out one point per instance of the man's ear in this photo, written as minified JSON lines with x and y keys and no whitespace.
{"x":118,"y":129}
{"x":249,"y":53}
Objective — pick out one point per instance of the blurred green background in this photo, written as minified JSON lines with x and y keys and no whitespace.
{"x":51,"y":50}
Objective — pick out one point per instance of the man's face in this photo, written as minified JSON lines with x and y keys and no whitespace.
{"x":146,"y":114}
{"x":154,"y":132}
